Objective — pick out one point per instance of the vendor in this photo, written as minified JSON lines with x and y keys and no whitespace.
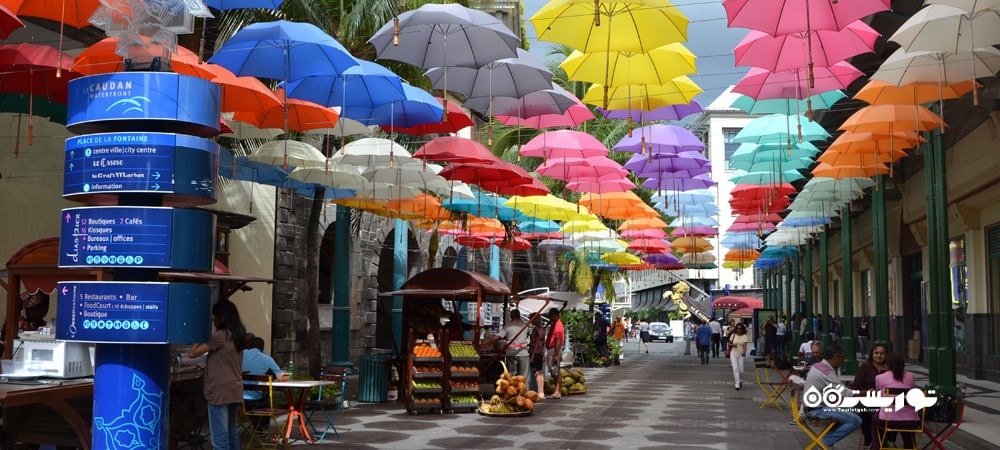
{"x":32,"y":307}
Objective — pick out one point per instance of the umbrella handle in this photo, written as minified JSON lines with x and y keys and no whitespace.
{"x":395,"y":31}
{"x":597,"y":20}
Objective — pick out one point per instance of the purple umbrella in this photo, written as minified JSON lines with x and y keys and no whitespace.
{"x":661,"y":163}
{"x":671,"y":112}
{"x":660,"y":138}
{"x":664,"y":260}
{"x":679,"y":183}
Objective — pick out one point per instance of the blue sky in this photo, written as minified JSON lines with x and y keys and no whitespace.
{"x":708,"y":38}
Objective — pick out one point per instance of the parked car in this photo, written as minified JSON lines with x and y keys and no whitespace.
{"x":659,"y":331}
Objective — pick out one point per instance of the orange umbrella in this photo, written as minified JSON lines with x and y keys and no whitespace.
{"x":423,"y":206}
{"x":839,"y":172}
{"x":190,"y":65}
{"x":245,"y":95}
{"x":642,"y":223}
{"x":640,"y":211}
{"x":890,"y":118}
{"x":103,"y":57}
{"x":596,"y":202}
{"x":75,"y":13}
{"x":878,"y":92}
{"x":301,"y":115}
{"x":835,"y":158}
{"x":485,"y":227}
{"x":691,"y":244}
{"x":868,"y":142}
{"x":741,"y":255}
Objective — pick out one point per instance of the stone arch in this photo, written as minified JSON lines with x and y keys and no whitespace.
{"x":384,"y":281}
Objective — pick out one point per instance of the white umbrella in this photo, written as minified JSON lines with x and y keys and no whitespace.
{"x":288,"y":153}
{"x":339,"y":179}
{"x":946,"y":28}
{"x":368,"y":152}
{"x":345,"y":127}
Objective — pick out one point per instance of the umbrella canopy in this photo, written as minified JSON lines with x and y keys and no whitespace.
{"x":781,"y":17}
{"x":664,"y":261}
{"x":573,"y":116}
{"x":876,"y":143}
{"x":584,"y":225}
{"x":563,"y":144}
{"x":417,"y":107}
{"x":369,"y":152}
{"x":248,"y":96}
{"x":490,"y":176}
{"x":554,"y":100}
{"x":568,"y":169}
{"x":788,"y":106}
{"x":791,"y":51}
{"x":618,"y":68}
{"x":8,"y":22}
{"x":890,"y":118}
{"x":547,"y":207}
{"x":680,"y":90}
{"x":645,"y":233}
{"x":554,"y":245}
{"x":449,"y":35}
{"x":288,"y":153}
{"x":284,"y":51}
{"x":679,"y":184}
{"x":779,"y":128}
{"x":291,"y":114}
{"x":601,"y":186}
{"x":453,"y":120}
{"x":620,"y":258}
{"x":670,"y":112}
{"x":507,"y":77}
{"x":763,"y":84}
{"x":691,"y":163}
{"x":877,"y":92}
{"x":32,"y":69}
{"x":937,"y":67}
{"x":698,"y":230}
{"x":339,"y":179}
{"x":945,"y":28}
{"x":827,"y":170}
{"x":454,"y":149}
{"x":357,"y":90}
{"x":642,"y":223}
{"x":660,"y":138}
{"x":633,"y":26}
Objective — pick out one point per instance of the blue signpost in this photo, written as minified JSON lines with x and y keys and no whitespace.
{"x":134,"y":173}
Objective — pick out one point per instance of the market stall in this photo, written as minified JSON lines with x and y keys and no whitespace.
{"x":446,"y":365}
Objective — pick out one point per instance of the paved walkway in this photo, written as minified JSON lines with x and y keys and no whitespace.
{"x":656,"y":400}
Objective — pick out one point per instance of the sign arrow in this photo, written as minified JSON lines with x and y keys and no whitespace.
{"x":65,"y":290}
{"x":71,"y":166}
{"x":67,"y":217}
{"x":156,"y":186}
{"x":156,"y":175}
{"x":72,"y":153}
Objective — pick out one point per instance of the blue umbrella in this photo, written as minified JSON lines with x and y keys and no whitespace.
{"x":765,"y":177}
{"x":243,"y":169}
{"x":283,"y":50}
{"x":823,"y":100}
{"x":779,"y":128}
{"x":537,"y":226}
{"x":485,"y":205}
{"x":418,"y":107}
{"x":356,"y":91}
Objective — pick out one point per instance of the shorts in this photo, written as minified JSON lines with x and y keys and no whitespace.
{"x":537,"y":363}
{"x":644,"y":335}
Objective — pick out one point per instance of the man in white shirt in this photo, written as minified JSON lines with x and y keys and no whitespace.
{"x":716,"y":328}
{"x":782,"y":330}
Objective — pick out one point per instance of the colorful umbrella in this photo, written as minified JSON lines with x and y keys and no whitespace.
{"x":613,"y":184}
{"x":660,"y":138}
{"x":546,"y":207}
{"x":780,"y":17}
{"x":454,"y":149}
{"x":791,"y":51}
{"x":453,"y":120}
{"x":555,"y":100}
{"x":489,"y":176}
{"x":573,"y":116}
{"x":563,"y":144}
{"x":788,"y":106}
{"x":616,"y":68}
{"x":877,"y":92}
{"x":632,"y":26}
{"x":250,"y":97}
{"x":691,"y":244}
{"x":8,"y":22}
{"x":288,"y":153}
{"x":680,"y":90}
{"x":34,"y":70}
{"x":571,"y":169}
{"x":507,"y":77}
{"x":762,"y":84}
{"x":357,"y":90}
{"x":291,"y":114}
{"x":671,"y":112}
{"x":946,"y":28}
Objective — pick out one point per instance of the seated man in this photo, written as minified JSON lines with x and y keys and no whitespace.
{"x":821,"y":377}
{"x":806,"y":347}
{"x":256,"y":362}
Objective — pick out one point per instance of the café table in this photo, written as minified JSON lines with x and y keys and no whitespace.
{"x":28,"y":406}
{"x":296,"y":391}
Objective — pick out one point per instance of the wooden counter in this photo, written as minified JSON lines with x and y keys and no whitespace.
{"x":28,"y":412}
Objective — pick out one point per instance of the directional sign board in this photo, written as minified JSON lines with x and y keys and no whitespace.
{"x":136,"y":237}
{"x":127,"y":312}
{"x":138,"y":162}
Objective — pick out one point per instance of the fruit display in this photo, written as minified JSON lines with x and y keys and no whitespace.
{"x":512,"y":396}
{"x":573,"y":382}
{"x":427,"y":402}
{"x":462,"y":399}
{"x":426,"y":384}
{"x":426,"y":351}
{"x":420,"y":371}
{"x":466,"y":385}
{"x":464,"y":371}
{"x":462,"y":350}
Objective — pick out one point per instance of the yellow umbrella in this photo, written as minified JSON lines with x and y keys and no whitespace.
{"x":613,"y":69}
{"x":621,"y":258}
{"x":642,"y":224}
{"x":691,"y":244}
{"x":581,"y":225}
{"x":609,"y":25}
{"x":548,"y":207}
{"x":678,"y":91}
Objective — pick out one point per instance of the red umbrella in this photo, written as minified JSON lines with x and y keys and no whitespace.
{"x":32,"y":69}
{"x":454,"y":119}
{"x":649,"y":246}
{"x":489,"y":176}
{"x":473,"y":241}
{"x":8,"y":22}
{"x":533,"y":187}
{"x":757,"y":218}
{"x":450,"y":149}
{"x":516,"y":244}
{"x":578,"y":169}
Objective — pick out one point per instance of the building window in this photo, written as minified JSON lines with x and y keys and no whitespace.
{"x":959,"y":286}
{"x":993,"y":286}
{"x":728,"y":136}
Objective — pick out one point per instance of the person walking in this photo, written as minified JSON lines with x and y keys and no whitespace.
{"x":703,"y":335}
{"x":618,"y":329}
{"x":863,"y":334}
{"x":822,"y":378}
{"x":601,"y":338}
{"x":536,"y":351}
{"x":864,"y":383}
{"x":727,"y":330}
{"x":223,"y":374}
{"x":716,"y":328}
{"x":737,"y":352}
{"x":644,"y":333}
{"x":554,"y":342}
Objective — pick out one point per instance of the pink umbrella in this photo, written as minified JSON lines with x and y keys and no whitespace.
{"x":649,"y":233}
{"x":778,"y":17}
{"x":757,"y":218}
{"x":790,"y":51}
{"x":650,"y":246}
{"x":574,"y":115}
{"x":761,"y":84}
{"x":473,"y":241}
{"x":454,"y":149}
{"x":699,"y":230}
{"x":563,"y":144}
{"x":575,"y":169}
{"x":605,"y":186}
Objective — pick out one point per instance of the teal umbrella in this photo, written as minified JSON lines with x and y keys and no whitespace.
{"x":38,"y":106}
{"x":823,"y":100}
{"x":765,"y":177}
{"x":760,"y":153}
{"x":780,"y":128}
{"x":793,"y":163}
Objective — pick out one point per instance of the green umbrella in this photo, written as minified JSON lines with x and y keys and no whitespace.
{"x":39,"y":106}
{"x":823,"y":100}
{"x":780,"y":128}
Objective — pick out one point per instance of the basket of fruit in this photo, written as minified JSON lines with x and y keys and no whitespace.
{"x":512,"y":398}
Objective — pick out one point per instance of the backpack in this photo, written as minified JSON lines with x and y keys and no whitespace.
{"x":782,"y":361}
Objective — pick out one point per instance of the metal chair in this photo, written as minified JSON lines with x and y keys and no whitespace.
{"x":909,"y":430}
{"x":772,"y":388}
{"x":814,"y":428}
{"x":330,"y":405}
{"x":257,"y":412}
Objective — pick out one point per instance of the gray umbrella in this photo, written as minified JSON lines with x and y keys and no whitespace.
{"x":554,"y":100}
{"x":508,"y":77}
{"x":448,"y":35}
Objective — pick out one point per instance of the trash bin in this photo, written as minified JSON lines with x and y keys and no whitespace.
{"x":373,"y":380}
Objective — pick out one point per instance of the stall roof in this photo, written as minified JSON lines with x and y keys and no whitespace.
{"x":444,"y":282}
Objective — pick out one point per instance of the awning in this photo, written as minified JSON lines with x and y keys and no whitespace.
{"x":452,"y":283}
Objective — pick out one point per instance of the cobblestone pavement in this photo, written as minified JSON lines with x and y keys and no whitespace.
{"x":663,"y":399}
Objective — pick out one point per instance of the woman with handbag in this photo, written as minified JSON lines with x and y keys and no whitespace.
{"x":737,"y":352}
